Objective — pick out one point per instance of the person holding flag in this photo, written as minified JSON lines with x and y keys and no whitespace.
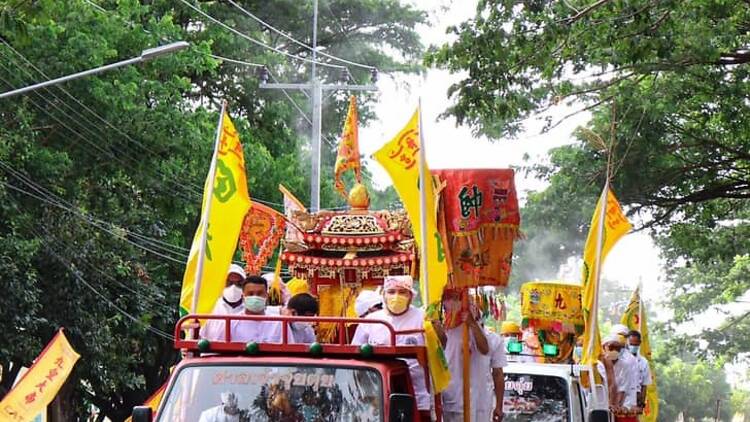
{"x":644,"y":372}
{"x":634,"y":319}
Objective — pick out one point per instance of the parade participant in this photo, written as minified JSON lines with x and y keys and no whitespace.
{"x":644,"y":372}
{"x":510,"y":331}
{"x":367,"y":302}
{"x":479,"y":361}
{"x":397,"y":296}
{"x":227,"y":411}
{"x":624,"y":333}
{"x":254,"y":294}
{"x":498,"y":361}
{"x":229,"y":303}
{"x":622,"y":387}
{"x":303,"y":304}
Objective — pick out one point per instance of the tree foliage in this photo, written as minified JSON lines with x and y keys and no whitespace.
{"x":101,"y":179}
{"x":668,"y":82}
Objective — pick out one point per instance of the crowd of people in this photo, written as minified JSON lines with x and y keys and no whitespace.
{"x":621,"y":365}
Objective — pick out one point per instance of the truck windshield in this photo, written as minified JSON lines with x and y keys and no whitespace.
{"x":274,"y":393}
{"x":537,"y":398}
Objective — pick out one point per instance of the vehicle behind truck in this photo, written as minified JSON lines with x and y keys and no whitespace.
{"x":546,"y":392}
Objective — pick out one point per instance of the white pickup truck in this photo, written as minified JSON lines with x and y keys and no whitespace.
{"x":545,"y":392}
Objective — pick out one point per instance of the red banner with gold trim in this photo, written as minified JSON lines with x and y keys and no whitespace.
{"x":480,"y":219}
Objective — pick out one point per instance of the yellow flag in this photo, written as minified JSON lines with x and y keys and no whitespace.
{"x":635,"y":319}
{"x":439,"y":371}
{"x":616,"y":225}
{"x":229,"y":204}
{"x":347,"y":157}
{"x":400,"y":158}
{"x":40,"y":384}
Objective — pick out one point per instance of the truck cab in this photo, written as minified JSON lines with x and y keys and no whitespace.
{"x":286,"y":381}
{"x":551,"y":393}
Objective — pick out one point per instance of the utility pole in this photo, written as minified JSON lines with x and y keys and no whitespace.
{"x":315,"y":88}
{"x":718,"y":410}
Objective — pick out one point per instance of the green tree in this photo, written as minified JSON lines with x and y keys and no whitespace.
{"x":101,"y":182}
{"x":667,"y":80}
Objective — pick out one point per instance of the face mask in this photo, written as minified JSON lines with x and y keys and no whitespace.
{"x":397,"y":304}
{"x":255,"y":304}
{"x":634,"y":349}
{"x":232,"y":296}
{"x":612,"y":355}
{"x":578,"y":352}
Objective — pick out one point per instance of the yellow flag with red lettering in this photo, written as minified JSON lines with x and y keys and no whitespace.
{"x":400,"y":158}
{"x":40,"y":384}
{"x":347,"y":157}
{"x":229,"y":204}
{"x":635,"y":319}
{"x":615,"y":226}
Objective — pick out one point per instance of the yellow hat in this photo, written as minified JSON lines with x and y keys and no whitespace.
{"x":510,"y":327}
{"x":296,"y":286}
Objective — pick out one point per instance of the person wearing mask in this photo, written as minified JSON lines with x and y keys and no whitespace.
{"x":230,"y":303}
{"x":622,"y":387}
{"x":644,"y":372}
{"x":302,"y":304}
{"x":254,"y":295}
{"x":479,"y":361}
{"x":624,"y":332}
{"x":398,"y":293}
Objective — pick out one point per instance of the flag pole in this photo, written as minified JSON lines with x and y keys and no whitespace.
{"x":423,"y":178}
{"x":207,"y":212}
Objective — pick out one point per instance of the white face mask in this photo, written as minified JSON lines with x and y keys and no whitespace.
{"x":233,"y":295}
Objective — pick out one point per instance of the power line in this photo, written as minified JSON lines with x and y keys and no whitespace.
{"x":72,"y":269}
{"x":257,"y":42}
{"x":88,"y":127}
{"x":294,"y":40}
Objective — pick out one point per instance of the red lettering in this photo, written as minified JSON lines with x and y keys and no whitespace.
{"x":52,"y":374}
{"x":41,"y":386}
{"x":30,"y":398}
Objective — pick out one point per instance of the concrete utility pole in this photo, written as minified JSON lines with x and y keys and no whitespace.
{"x":316,"y":88}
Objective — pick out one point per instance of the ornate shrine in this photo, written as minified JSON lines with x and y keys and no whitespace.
{"x":354,"y":248}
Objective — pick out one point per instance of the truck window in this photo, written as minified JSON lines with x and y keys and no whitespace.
{"x":537,"y":398}
{"x":274,"y":393}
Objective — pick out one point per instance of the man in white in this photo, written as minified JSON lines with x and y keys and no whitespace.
{"x":644,"y":372}
{"x":623,"y":387}
{"x":624,"y":332}
{"x":397,"y":296}
{"x":484,"y":358}
{"x":254,"y":294}
{"x":230,"y":303}
{"x":227,"y":411}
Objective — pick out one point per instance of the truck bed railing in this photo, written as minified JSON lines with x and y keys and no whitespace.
{"x":187,"y":338}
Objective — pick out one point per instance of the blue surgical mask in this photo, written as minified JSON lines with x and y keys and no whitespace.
{"x":634,"y":349}
{"x":255,"y":304}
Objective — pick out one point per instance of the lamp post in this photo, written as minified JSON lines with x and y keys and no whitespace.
{"x":146,"y":55}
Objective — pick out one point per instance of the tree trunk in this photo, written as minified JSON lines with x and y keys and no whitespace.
{"x":62,"y":408}
{"x":10,"y":372}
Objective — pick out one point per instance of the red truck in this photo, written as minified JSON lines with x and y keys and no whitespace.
{"x":287,"y":382}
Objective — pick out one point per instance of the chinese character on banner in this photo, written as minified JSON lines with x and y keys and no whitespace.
{"x":406,"y":149}
{"x":479,"y":215}
{"x":40,"y":384}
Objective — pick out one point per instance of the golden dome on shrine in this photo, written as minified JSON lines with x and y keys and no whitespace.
{"x":359,"y":198}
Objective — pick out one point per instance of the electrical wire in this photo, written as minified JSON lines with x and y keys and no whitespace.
{"x":294,"y":40}
{"x":257,"y":42}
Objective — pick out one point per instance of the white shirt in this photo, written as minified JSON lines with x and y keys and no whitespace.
{"x":626,"y":378}
{"x":644,"y":372}
{"x":257,"y":331}
{"x":213,"y":329}
{"x":482,"y":398}
{"x":217,"y":414}
{"x":378,"y":335}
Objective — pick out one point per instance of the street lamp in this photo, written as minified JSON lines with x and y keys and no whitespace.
{"x":146,"y":55}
